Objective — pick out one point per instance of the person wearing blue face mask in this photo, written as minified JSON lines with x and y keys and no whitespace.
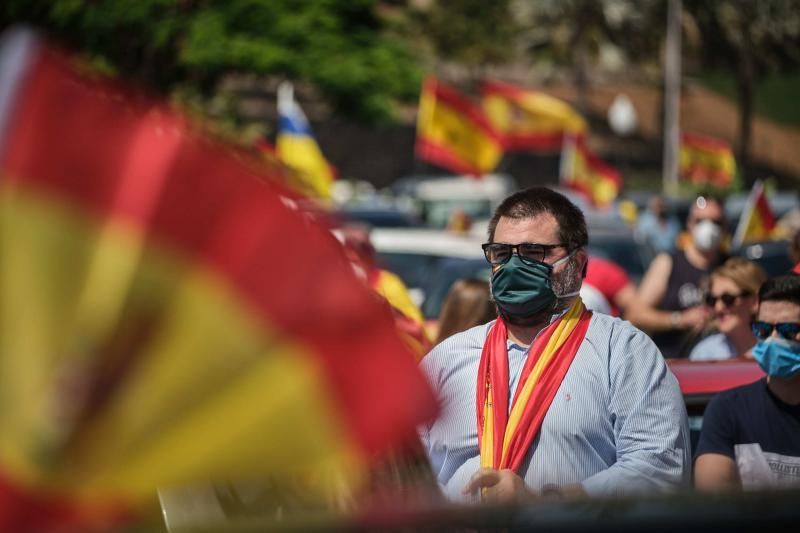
{"x":551,"y":398}
{"x":751,"y":434}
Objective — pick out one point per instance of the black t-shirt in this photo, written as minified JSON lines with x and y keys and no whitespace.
{"x":750,"y":415}
{"x":682,"y":292}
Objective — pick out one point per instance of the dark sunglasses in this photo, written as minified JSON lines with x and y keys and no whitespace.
{"x":498,"y":253}
{"x":787,"y":330}
{"x":727,"y":298}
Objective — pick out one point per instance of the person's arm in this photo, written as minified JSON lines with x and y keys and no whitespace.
{"x":620,"y":288}
{"x":714,"y":466}
{"x":650,"y":425}
{"x":715,"y":472}
{"x":624,"y":298}
{"x":643,"y":311}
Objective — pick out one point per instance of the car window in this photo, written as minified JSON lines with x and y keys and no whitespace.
{"x":623,"y":251}
{"x":437,"y":213}
{"x":772,"y":256}
{"x":448,"y":273}
{"x":413,"y":269}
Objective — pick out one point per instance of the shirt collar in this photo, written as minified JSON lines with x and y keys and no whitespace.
{"x":513,"y":345}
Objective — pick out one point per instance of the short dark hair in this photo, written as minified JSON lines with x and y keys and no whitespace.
{"x":783,"y":288}
{"x":535,"y":201}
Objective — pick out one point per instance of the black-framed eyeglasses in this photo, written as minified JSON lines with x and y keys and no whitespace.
{"x":727,"y":298}
{"x":787,"y":330}
{"x":498,"y":253}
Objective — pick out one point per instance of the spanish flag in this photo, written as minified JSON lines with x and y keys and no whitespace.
{"x":298,"y":149}
{"x":453,"y":133}
{"x":757,"y":221}
{"x":530,"y":120}
{"x":706,"y":160}
{"x":167,"y":315}
{"x":586,"y":173}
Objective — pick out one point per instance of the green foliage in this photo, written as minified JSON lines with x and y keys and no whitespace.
{"x":472,"y":32}
{"x":337,"y":45}
{"x":775,"y":94}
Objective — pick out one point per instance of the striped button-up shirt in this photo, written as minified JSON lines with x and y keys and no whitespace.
{"x":617,"y":424}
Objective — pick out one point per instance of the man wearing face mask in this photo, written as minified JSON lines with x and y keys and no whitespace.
{"x":751,"y":434}
{"x":669,"y":302}
{"x":551,"y":398}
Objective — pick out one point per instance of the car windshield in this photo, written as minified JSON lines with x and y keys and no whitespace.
{"x":448,"y":273}
{"x":772,"y":256}
{"x":412,"y":268}
{"x":437,"y":213}
{"x":621,"y":249}
{"x":383,"y":218}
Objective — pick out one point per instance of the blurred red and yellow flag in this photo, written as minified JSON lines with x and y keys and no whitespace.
{"x":167,"y":314}
{"x":706,"y":160}
{"x":529,"y":120}
{"x":453,"y":133}
{"x":757,"y":221}
{"x":586,"y":173}
{"x":408,"y":316}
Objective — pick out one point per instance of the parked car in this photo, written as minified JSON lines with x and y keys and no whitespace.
{"x":438,"y":197}
{"x":618,"y":244}
{"x":381,"y":216}
{"x":448,"y":272}
{"x":415,"y":254}
{"x":772,"y":256}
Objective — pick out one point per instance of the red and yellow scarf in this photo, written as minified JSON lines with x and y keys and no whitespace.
{"x":504,"y":437}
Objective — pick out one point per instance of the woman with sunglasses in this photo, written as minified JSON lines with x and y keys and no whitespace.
{"x":751,"y":434}
{"x":732,"y":299}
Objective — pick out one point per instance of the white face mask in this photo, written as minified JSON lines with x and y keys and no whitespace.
{"x":706,"y":235}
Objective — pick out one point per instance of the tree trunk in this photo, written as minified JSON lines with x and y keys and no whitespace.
{"x":745,"y":80}
{"x":579,"y":60}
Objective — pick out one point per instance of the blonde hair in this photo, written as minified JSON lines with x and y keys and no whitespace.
{"x":747,"y":275}
{"x":467,"y":304}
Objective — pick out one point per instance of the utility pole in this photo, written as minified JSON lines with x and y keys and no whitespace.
{"x":672,"y":97}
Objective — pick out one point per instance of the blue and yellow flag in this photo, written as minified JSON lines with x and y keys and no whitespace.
{"x":297,"y":148}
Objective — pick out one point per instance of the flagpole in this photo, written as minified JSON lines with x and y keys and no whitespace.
{"x":672,"y":97}
{"x":417,"y":167}
{"x":747,"y":214}
{"x":566,"y":167}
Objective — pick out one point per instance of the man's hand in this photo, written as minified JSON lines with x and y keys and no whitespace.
{"x":500,"y":486}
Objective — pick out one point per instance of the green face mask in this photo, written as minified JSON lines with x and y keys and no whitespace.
{"x":522,"y":289}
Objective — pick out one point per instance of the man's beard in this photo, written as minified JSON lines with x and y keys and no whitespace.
{"x":565,"y":282}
